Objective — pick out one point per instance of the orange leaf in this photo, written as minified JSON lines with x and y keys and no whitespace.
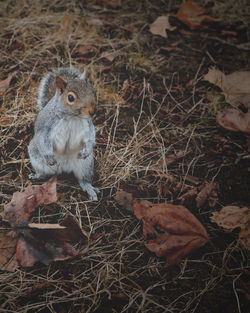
{"x":193,"y":16}
{"x":177,"y":232}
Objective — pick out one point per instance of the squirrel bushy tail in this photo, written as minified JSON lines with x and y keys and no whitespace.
{"x":47,"y":87}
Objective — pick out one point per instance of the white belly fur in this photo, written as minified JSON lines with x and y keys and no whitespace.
{"x":68,"y":138}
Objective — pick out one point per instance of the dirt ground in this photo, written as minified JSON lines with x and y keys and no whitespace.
{"x":152,"y":103}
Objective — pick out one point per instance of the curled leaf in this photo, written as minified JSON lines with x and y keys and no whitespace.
{"x":177,"y":232}
{"x":49,"y":242}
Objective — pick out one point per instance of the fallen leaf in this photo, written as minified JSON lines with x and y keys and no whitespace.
{"x":177,"y":232}
{"x":235,"y":86}
{"x":234,"y":120}
{"x":125,"y":199}
{"x":4,"y":84}
{"x":17,"y":211}
{"x":48,"y":242}
{"x":8,"y":242}
{"x":6,"y":120}
{"x":208,"y":193}
{"x":108,"y":56}
{"x":28,"y":254}
{"x":159,"y":26}
{"x":86,"y":51}
{"x":194,"y":16}
{"x":231,"y":217}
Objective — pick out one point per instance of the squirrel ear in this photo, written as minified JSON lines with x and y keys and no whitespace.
{"x":85,"y":74}
{"x":60,"y":84}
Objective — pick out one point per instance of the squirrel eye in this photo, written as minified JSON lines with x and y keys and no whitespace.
{"x":71,"y":98}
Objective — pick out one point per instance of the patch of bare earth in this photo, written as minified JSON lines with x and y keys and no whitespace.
{"x":157,"y":138}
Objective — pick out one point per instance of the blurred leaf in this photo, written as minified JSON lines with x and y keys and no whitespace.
{"x":125,"y":199}
{"x":4,"y":84}
{"x":159,"y":26}
{"x":234,"y":120}
{"x":235,"y":86}
{"x":194,"y":16}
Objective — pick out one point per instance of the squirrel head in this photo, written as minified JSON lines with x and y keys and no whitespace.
{"x":77,"y":96}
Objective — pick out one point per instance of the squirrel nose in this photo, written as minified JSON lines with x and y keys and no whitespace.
{"x":91,"y":111}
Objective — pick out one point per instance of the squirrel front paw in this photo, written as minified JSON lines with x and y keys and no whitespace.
{"x":83,"y":154}
{"x":50,"y":160}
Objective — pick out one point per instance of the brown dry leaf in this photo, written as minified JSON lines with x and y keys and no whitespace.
{"x":49,"y":242}
{"x":194,"y":16}
{"x":234,"y":120}
{"x":177,"y":231}
{"x":159,"y":26}
{"x":231,"y":217}
{"x":17,"y":211}
{"x":208,"y":193}
{"x":6,"y":120}
{"x":125,"y":199}
{"x":235,"y":86}
{"x":108,"y":56}
{"x":8,"y":260}
{"x":86,"y":51}
{"x":4,"y":84}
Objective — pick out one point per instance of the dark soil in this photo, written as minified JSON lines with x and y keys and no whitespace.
{"x":152,"y":103}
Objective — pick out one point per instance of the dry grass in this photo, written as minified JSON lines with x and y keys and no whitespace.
{"x":156,"y":115}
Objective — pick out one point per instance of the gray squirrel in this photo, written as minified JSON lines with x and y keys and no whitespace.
{"x":64,"y":135}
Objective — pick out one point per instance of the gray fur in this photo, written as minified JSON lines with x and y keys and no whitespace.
{"x":62,"y":142}
{"x":49,"y":78}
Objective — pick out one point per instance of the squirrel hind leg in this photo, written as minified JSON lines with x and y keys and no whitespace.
{"x":91,"y":191}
